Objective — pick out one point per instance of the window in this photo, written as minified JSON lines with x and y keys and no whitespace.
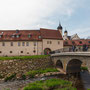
{"x":0,"y":51}
{"x":18,"y":43}
{"x":0,"y":36}
{"x":80,"y":42}
{"x":11,"y":43}
{"x":58,"y":42}
{"x":47,"y":42}
{"x":13,"y":36}
{"x":21,"y":51}
{"x":34,"y":43}
{"x":50,"y":42}
{"x":73,"y":42}
{"x":66,"y":42}
{"x":27,"y":52}
{"x":23,"y":43}
{"x":10,"y":51}
{"x":27,"y":43}
{"x":29,"y":36}
{"x":39,"y":37}
{"x":88,"y":41}
{"x":3,"y":43}
{"x":17,"y":36}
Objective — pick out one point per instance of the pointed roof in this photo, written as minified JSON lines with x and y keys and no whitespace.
{"x":60,"y":27}
{"x":74,"y":36}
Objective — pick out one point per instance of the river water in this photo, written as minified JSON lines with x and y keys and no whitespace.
{"x":81,"y":83}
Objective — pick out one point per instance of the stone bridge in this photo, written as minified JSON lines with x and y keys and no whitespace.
{"x":70,"y":62}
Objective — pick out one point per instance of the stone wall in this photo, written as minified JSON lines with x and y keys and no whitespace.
{"x":8,"y":67}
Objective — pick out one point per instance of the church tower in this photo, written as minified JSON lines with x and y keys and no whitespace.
{"x":60,"y":28}
{"x":65,"y":37}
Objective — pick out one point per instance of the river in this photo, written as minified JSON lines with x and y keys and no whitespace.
{"x":81,"y":83}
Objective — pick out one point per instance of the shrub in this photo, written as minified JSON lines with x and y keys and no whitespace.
{"x":23,"y":77}
{"x":51,"y":84}
{"x":10,"y":77}
{"x":33,"y":88}
{"x":32,"y":73}
{"x":84,"y":68}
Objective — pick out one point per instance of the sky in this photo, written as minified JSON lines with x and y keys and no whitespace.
{"x":74,"y":15}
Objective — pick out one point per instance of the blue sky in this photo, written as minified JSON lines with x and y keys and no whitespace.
{"x":74,"y":15}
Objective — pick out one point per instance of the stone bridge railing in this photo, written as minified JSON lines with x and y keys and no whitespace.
{"x":68,"y":50}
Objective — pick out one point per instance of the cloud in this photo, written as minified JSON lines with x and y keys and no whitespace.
{"x":82,"y":32}
{"x":27,"y":14}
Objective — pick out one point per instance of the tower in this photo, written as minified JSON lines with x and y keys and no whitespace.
{"x":66,"y":33}
{"x":65,"y":37}
{"x":60,"y":28}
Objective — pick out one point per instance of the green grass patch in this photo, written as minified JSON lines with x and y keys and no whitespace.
{"x":32,"y":73}
{"x":51,"y":84}
{"x":84,"y":68}
{"x":24,"y":57}
{"x":88,"y":89}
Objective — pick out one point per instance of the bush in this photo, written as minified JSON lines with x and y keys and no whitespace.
{"x":23,"y":77}
{"x":33,"y":88}
{"x":68,"y":88}
{"x":51,"y":84}
{"x":32,"y":73}
{"x":10,"y":77}
{"x":84,"y":68}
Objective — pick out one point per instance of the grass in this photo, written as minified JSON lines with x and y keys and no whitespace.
{"x":84,"y":68}
{"x":24,"y":57}
{"x":51,"y":84}
{"x":32,"y":73}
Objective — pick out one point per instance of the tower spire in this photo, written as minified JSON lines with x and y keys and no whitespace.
{"x":59,"y":27}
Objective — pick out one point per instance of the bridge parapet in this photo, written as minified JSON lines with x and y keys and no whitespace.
{"x":72,"y":54}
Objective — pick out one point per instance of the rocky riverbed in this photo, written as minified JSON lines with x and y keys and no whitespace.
{"x":19,"y":84}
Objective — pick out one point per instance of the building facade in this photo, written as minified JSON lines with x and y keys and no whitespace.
{"x":29,"y":42}
{"x":72,"y":37}
{"x":79,"y":44}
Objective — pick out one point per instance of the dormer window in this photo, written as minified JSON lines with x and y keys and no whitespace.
{"x":0,"y":36}
{"x":39,"y":37}
{"x":29,"y":36}
{"x":13,"y":36}
{"x":66,"y":42}
{"x":88,"y":41}
{"x":73,"y":42}
{"x":80,"y":42}
{"x":17,"y":31}
{"x":17,"y":36}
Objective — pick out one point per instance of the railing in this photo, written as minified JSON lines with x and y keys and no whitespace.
{"x":69,"y":50}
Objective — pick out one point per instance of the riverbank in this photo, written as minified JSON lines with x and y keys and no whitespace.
{"x":19,"y":84}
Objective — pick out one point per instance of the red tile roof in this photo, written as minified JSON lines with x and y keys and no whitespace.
{"x":44,"y":33}
{"x":50,"y":34}
{"x":7,"y":35}
{"x":76,"y":42}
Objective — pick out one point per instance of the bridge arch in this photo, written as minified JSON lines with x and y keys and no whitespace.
{"x":59,"y":64}
{"x":73,"y":66}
